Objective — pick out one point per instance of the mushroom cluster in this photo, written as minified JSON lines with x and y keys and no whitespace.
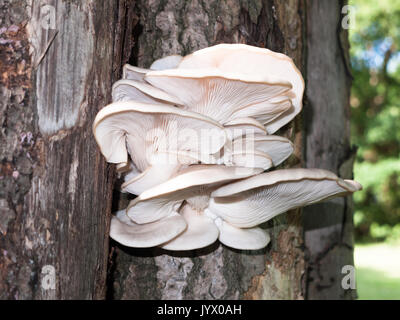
{"x":194,"y":138}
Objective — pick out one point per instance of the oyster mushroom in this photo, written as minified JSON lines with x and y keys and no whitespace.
{"x":130,"y":234}
{"x":229,"y":90}
{"x":253,"y":61}
{"x":134,"y":90}
{"x":207,"y":79}
{"x":187,"y":193}
{"x":156,"y":137}
{"x":255,"y":200}
{"x":136,"y":73}
{"x":248,"y":151}
{"x":233,"y":211}
{"x":218,"y":94}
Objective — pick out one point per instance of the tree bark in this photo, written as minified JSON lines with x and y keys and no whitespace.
{"x":329,"y":225}
{"x":181,"y":27}
{"x":58,"y":62}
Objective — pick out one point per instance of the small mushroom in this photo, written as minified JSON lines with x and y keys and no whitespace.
{"x":126,"y":90}
{"x":130,"y":234}
{"x":136,"y":73}
{"x":201,"y":231}
{"x":133,"y":73}
{"x":242,"y":238}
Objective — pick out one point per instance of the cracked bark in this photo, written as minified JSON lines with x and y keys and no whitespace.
{"x":54,"y":183}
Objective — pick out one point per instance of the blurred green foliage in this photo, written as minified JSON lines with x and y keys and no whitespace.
{"x":375,"y":107}
{"x":378,"y":270}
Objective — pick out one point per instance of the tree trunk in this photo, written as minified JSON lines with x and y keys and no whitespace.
{"x":58,"y":62}
{"x":329,"y":225}
{"x":218,"y":272}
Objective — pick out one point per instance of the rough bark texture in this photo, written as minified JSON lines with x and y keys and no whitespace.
{"x":329,"y":225}
{"x":180,"y":27}
{"x":55,"y":187}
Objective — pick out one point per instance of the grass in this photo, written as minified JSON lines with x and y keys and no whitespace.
{"x":378,"y":271}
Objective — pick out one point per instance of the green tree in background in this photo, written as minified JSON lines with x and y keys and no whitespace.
{"x":375,"y":101}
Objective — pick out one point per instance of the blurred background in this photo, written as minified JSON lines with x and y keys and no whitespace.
{"x":375,"y":107}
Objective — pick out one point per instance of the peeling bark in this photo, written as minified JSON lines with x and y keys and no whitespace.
{"x":218,"y":272}
{"x":55,"y":187}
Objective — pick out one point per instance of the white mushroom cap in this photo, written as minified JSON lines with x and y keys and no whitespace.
{"x":147,"y":128}
{"x":159,"y":201}
{"x":200,"y":232}
{"x":242,"y":238}
{"x":153,"y":175}
{"x":168,"y":62}
{"x":249,"y":60}
{"x":266,"y":112}
{"x":254,"y":159}
{"x":243,"y":126}
{"x":276,"y":147}
{"x":218,"y":94}
{"x":254,"y":149}
{"x":125,"y":90}
{"x":257,"y":199}
{"x":136,"y":73}
{"x":130,"y":234}
{"x":136,"y":182}
{"x":133,"y":73}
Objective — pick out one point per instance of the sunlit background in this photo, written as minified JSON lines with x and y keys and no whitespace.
{"x":375,"y":107}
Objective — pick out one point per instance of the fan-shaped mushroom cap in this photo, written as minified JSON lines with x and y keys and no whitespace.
{"x":249,"y":60}
{"x":168,"y":62}
{"x":253,"y":159}
{"x":125,"y":90}
{"x":242,"y":239}
{"x":133,"y":73}
{"x":257,"y":199}
{"x":276,"y":147}
{"x":215,"y":93}
{"x":136,"y":73}
{"x":136,"y":182}
{"x":200,"y":232}
{"x":266,"y":112}
{"x":243,"y":126}
{"x":146,"y":129}
{"x":128,"y":233}
{"x":151,"y":176}
{"x":159,"y":201}
{"x":255,"y":150}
